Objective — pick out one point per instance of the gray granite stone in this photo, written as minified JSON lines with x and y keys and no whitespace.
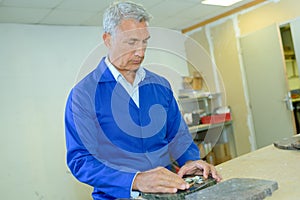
{"x":292,"y":143}
{"x":237,"y":188}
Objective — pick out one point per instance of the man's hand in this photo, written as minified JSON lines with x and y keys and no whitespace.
{"x":159,"y":180}
{"x":199,"y":167}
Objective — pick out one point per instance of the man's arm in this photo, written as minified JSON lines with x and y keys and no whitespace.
{"x":181,"y":144}
{"x":183,"y":148}
{"x":86,"y":167}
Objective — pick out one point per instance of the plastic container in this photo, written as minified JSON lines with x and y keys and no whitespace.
{"x":214,"y":119}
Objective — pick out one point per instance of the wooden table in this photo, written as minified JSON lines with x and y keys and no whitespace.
{"x":268,"y":163}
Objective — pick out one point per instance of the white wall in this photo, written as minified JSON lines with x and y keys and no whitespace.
{"x":38,"y":67}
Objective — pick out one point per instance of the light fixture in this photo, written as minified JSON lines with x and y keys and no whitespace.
{"x":220,"y":2}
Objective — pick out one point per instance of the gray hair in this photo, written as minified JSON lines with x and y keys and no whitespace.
{"x":123,"y":10}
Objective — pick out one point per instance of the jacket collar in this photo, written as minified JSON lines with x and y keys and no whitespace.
{"x":103,"y":73}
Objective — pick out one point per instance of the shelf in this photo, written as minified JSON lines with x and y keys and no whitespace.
{"x":289,"y":55}
{"x":291,"y":63}
{"x":203,"y":127}
{"x":201,"y":97}
{"x":192,"y":99}
{"x":296,"y":100}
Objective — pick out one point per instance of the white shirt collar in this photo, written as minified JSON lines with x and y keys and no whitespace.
{"x":140,"y":73}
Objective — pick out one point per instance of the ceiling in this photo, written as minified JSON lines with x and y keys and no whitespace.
{"x":173,"y":14}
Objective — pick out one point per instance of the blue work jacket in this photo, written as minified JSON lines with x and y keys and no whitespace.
{"x":109,"y":139}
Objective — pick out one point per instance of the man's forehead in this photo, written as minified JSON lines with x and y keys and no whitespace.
{"x":139,"y":33}
{"x":131,"y":25}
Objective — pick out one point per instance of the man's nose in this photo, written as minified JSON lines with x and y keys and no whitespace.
{"x":140,"y":52}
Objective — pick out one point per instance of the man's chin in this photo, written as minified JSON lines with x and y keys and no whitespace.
{"x":135,"y":66}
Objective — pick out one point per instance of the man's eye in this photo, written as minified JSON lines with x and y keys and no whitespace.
{"x":132,"y":42}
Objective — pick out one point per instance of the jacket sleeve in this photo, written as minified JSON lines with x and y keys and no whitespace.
{"x":182,"y":146}
{"x":86,"y":167}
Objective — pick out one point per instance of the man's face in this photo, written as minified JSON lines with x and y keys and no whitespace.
{"x":128,"y":44}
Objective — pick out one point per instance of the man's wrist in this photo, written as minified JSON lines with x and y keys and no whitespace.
{"x":133,"y":184}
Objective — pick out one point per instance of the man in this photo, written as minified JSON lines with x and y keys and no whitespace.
{"x":123,"y":125}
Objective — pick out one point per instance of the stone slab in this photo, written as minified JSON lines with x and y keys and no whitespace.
{"x":292,"y":143}
{"x":236,"y":188}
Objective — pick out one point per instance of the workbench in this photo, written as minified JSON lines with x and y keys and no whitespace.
{"x":269,"y":163}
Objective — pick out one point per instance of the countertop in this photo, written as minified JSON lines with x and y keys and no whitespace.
{"x":269,"y":163}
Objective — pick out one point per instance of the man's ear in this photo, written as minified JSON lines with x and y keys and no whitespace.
{"x":107,"y":39}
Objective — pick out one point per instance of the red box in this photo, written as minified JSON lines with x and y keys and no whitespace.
{"x":214,"y":119}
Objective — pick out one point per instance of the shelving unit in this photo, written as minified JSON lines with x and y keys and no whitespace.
{"x":205,"y":102}
{"x":219,"y":135}
{"x":292,"y":71}
{"x":190,"y":105}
